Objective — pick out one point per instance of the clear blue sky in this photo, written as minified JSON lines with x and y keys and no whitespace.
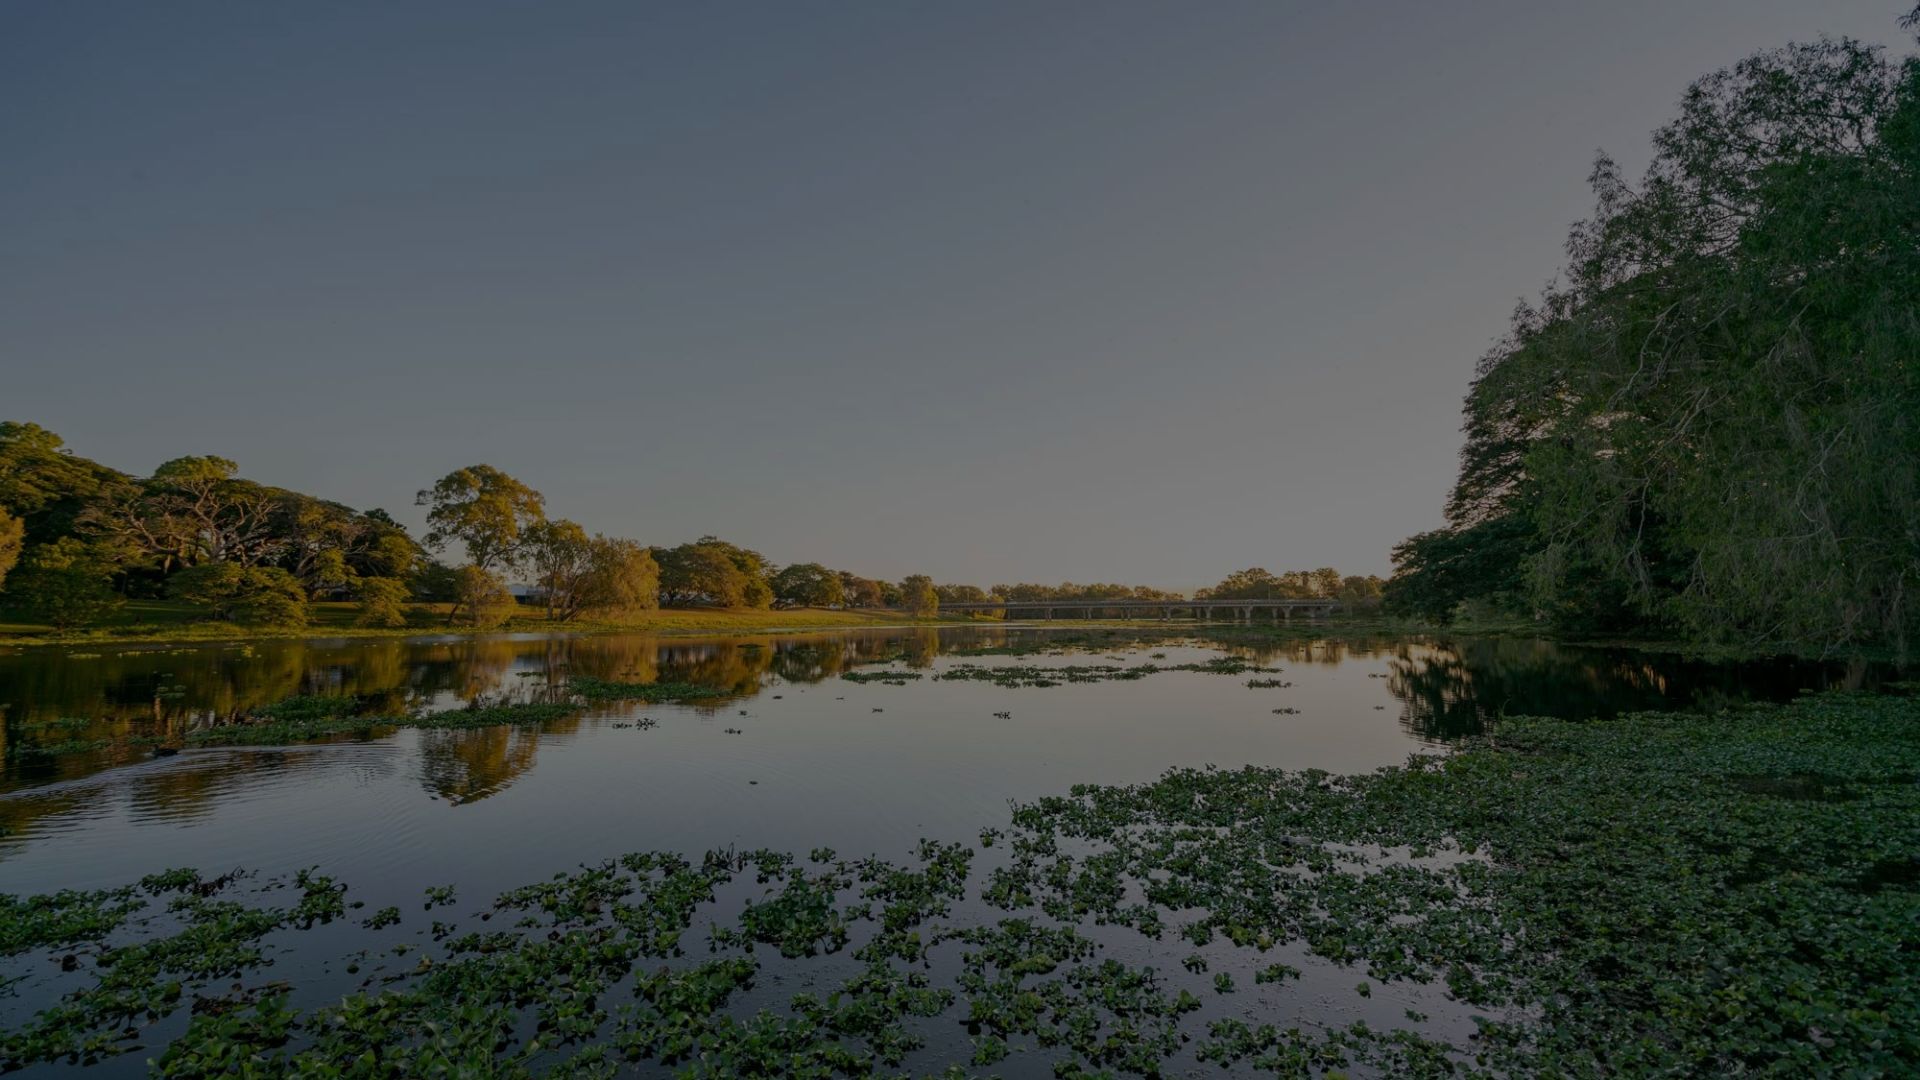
{"x":1103,"y":291}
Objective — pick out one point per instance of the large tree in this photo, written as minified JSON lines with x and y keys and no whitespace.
{"x":488,"y":513}
{"x":918,"y":596}
{"x":329,"y":546}
{"x":808,"y":585}
{"x":1711,"y":425}
{"x":193,"y":510}
{"x":558,"y":553}
{"x":484,"y":510}
{"x":699,"y":574}
{"x":621,"y":579}
{"x":44,"y":484}
{"x":578,"y":573}
{"x":712,"y":571}
{"x":861,"y":592}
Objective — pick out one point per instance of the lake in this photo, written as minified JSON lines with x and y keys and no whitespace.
{"x":864,"y":742}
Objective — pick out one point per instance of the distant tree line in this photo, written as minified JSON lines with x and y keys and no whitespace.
{"x":1711,"y":425}
{"x":1252,"y":584}
{"x":79,"y":539}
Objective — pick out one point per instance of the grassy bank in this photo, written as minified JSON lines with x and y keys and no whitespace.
{"x":164,"y":621}
{"x":1668,"y":894}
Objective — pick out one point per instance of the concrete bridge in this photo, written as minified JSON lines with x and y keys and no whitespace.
{"x":1207,"y":610}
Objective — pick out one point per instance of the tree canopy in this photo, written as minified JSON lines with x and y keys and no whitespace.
{"x":483,"y":509}
{"x":1710,"y":426}
{"x":808,"y":585}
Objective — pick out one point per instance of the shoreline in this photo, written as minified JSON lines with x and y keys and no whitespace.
{"x":696,"y":622}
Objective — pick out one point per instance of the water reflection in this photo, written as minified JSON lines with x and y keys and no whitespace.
{"x":462,"y":766}
{"x":129,"y":698}
{"x":1451,"y":690}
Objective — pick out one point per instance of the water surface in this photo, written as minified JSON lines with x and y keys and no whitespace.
{"x":794,"y":756}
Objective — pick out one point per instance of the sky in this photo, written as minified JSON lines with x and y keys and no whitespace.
{"x":996,"y":292}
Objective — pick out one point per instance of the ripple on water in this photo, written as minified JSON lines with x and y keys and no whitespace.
{"x":267,"y":806}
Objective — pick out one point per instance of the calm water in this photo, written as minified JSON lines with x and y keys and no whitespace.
{"x":797,"y":757}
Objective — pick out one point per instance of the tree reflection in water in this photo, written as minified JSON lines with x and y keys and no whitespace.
{"x":68,"y":698}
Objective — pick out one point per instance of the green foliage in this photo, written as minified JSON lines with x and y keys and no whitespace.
{"x":193,"y":510}
{"x":808,"y":585}
{"x":1661,"y":894}
{"x":556,"y":552}
{"x":962,"y":594}
{"x":712,"y":571}
{"x":483,"y":509}
{"x":383,"y":601}
{"x":43,"y":483}
{"x":65,"y":582}
{"x":918,"y":596}
{"x":578,"y":574}
{"x":859,"y":592}
{"x":481,"y":599}
{"x":1325,"y":583}
{"x":251,"y":596}
{"x":593,"y":689}
{"x":622,"y":580}
{"x":12,"y":535}
{"x":330,"y":546}
{"x":1435,"y":572}
{"x":1711,"y":425}
{"x":1072,"y":593}
{"x":303,"y":719}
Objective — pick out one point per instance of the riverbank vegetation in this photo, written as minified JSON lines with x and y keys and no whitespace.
{"x":1661,"y":893}
{"x":1707,"y":429}
{"x":197,"y":551}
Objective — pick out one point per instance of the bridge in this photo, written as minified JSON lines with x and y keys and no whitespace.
{"x":1207,"y":610}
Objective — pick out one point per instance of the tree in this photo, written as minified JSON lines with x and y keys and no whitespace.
{"x":66,"y":582}
{"x":1710,"y":425}
{"x":1357,"y":591}
{"x":559,"y":554}
{"x":1435,"y":572}
{"x":712,"y":571}
{"x":808,"y":585}
{"x":859,"y":592}
{"x":434,"y":581}
{"x":917,"y":595}
{"x":483,"y":509}
{"x":692,"y":574}
{"x":12,"y":534}
{"x":488,"y":512}
{"x":621,"y":581}
{"x":330,"y":545}
{"x":44,"y":484}
{"x":578,"y":573}
{"x":192,"y":510}
{"x":250,"y":595}
{"x":481,"y":598}
{"x":383,"y":601}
